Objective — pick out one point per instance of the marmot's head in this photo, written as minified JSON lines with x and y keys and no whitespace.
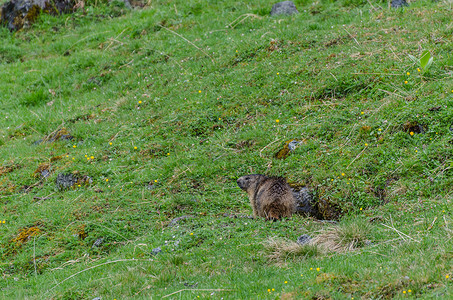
{"x":249,"y":182}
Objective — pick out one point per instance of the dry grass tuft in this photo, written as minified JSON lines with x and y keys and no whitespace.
{"x":342,"y":238}
{"x":280,"y":250}
{"x":345,"y":237}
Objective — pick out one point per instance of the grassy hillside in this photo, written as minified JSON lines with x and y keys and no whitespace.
{"x":155,"y":113}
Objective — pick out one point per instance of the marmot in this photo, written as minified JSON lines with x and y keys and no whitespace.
{"x":271,"y":197}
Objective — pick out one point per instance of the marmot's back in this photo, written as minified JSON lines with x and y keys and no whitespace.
{"x":270,"y":197}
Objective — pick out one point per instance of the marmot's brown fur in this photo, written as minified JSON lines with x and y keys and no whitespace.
{"x":271,"y":197}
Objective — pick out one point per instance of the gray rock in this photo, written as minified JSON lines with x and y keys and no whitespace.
{"x":97,"y":298}
{"x":293,"y":145}
{"x":16,"y":14}
{"x":156,"y":251}
{"x":284,"y":8}
{"x":304,"y":239}
{"x":176,"y":220}
{"x":305,"y":204}
{"x":65,"y":181}
{"x":398,"y":3}
{"x":45,"y":173}
{"x":98,"y":242}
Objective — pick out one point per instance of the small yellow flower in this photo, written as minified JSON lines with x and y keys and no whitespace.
{"x":268,"y":290}
{"x":110,"y":143}
{"x":88,"y":158}
{"x":405,"y":82}
{"x":447,"y":276}
{"x":199,"y":91}
{"x":106,"y":180}
{"x":67,"y":155}
{"x":92,"y":157}
{"x":362,"y":113}
{"x":311,"y":269}
{"x":121,"y":190}
{"x":411,"y":133}
{"x":236,"y":51}
{"x":273,"y":290}
{"x":278,"y":73}
{"x":3,"y":222}
{"x":286,"y":281}
{"x":416,"y":150}
{"x":86,"y":155}
{"x":331,"y":179}
{"x":318,"y":269}
{"x":409,"y":291}
{"x":379,"y":129}
{"x":79,"y":185}
{"x":220,"y":119}
{"x":139,"y":102}
{"x":302,"y":275}
{"x":74,"y":146}
{"x":135,"y":147}
{"x":73,"y":158}
{"x":191,"y":233}
{"x":360,"y":208}
{"x":155,"y":180}
{"x":168,"y":153}
{"x":342,"y":174}
{"x":418,"y":69}
{"x":404,"y":292}
{"x":408,"y":73}
{"x":277,"y":120}
{"x":366,"y":145}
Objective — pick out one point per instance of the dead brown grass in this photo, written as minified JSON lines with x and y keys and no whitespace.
{"x":279,"y":250}
{"x":342,"y":238}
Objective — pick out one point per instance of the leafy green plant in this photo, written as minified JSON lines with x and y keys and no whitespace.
{"x":425,"y":61}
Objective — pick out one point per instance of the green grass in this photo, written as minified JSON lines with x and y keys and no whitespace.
{"x":172,"y":96}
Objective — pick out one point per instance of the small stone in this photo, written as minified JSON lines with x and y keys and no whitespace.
{"x":398,"y":3}
{"x":98,"y":242}
{"x":304,"y":239}
{"x":284,"y":8}
{"x":45,"y":173}
{"x":176,"y":220}
{"x":293,"y":145}
{"x":65,"y":181}
{"x":97,"y":298}
{"x":156,"y":251}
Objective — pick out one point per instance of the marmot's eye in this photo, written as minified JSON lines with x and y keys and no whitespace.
{"x":247,"y":178}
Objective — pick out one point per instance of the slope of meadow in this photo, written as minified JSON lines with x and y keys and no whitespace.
{"x":157,"y":111}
